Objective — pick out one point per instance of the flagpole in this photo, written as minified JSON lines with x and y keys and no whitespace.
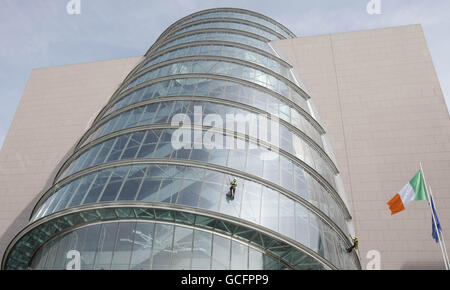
{"x":445,"y":249}
{"x":432,"y":216}
{"x":440,"y":234}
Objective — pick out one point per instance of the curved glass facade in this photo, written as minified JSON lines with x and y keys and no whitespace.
{"x":229,"y":25}
{"x":247,"y":15}
{"x":152,"y":246}
{"x":217,"y":35}
{"x":226,"y":51}
{"x":160,"y":113}
{"x":293,"y":111}
{"x":204,"y":188}
{"x":242,"y":71}
{"x":129,"y":197}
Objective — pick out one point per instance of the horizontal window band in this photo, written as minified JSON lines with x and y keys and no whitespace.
{"x":156,"y":45}
{"x":196,"y":164}
{"x":280,"y":78}
{"x":311,"y":171}
{"x":177,"y":223}
{"x":126,"y":211}
{"x":120,"y":95}
{"x":243,"y":11}
{"x":230,"y":20}
{"x":288,"y":125}
{"x":213,"y":42}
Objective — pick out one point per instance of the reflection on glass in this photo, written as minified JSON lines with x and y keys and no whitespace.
{"x":201,"y":250}
{"x":221,"y":253}
{"x":162,"y":247}
{"x":182,"y":248}
{"x":239,"y":256}
{"x":105,"y":246}
{"x":142,"y":246}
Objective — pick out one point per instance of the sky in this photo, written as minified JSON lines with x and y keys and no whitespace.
{"x":38,"y":34}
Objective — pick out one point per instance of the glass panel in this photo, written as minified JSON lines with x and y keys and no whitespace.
{"x":132,"y":183}
{"x":269,"y":212}
{"x":123,"y":247}
{"x":182,"y":248}
{"x":162,"y":247}
{"x":272,"y":169}
{"x":201,"y":259}
{"x":114,"y":183}
{"x":191,"y":188}
{"x":271,"y":263}
{"x":116,"y":152}
{"x":237,"y":159}
{"x":90,"y":247}
{"x":142,"y":247}
{"x":67,"y":243}
{"x":106,"y":148}
{"x":221,"y":253}
{"x":239,"y":256}
{"x":150,"y":186}
{"x":171,"y":185}
{"x":315,"y":236}
{"x":85,"y":183}
{"x":254,"y":163}
{"x":300,"y":183}
{"x":68,"y":194}
{"x":287,"y":173}
{"x":106,"y":245}
{"x":133,"y":145}
{"x":51,"y":256}
{"x":287,"y":218}
{"x":212,"y":189}
{"x":149,"y":145}
{"x":255,"y":260}
{"x":251,"y":203}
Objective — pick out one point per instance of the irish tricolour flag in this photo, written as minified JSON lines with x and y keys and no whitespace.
{"x":414,"y":190}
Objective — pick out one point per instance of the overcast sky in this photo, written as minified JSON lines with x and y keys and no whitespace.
{"x":36,"y":34}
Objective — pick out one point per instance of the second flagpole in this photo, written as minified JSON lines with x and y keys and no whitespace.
{"x":439,"y":233}
{"x":432,"y":216}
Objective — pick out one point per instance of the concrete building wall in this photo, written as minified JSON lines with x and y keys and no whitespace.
{"x":379,"y":97}
{"x":56,"y":108}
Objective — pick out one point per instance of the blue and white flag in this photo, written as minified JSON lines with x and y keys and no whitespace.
{"x":435,"y":234}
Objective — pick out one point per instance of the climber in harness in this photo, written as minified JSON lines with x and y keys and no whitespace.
{"x":355,"y":245}
{"x":233,"y":185}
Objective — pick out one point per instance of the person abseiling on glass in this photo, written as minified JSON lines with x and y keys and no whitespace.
{"x":233,"y":185}
{"x":355,"y":245}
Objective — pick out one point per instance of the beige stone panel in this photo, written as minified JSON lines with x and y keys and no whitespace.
{"x":56,"y":108}
{"x":384,"y":112}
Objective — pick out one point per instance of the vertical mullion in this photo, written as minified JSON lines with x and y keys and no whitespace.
{"x":142,"y":181}
{"x":124,"y":179}
{"x":132,"y":245}
{"x":105,"y":186}
{"x":111,"y":149}
{"x":151,"y":248}
{"x":114,"y":246}
{"x":89,"y":188}
{"x":125,"y":147}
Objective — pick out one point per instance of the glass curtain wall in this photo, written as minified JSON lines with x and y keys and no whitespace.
{"x":214,"y":64}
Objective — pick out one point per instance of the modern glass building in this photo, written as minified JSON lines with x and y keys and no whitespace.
{"x":127,"y":198}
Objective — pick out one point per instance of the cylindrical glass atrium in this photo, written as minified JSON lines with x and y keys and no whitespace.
{"x":148,"y":184}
